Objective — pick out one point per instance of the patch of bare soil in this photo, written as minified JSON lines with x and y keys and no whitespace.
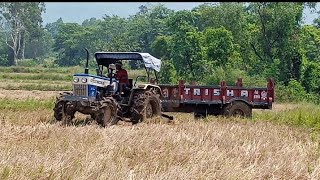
{"x":25,"y":94}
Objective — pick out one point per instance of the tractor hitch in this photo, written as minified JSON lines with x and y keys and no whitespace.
{"x":167,"y":116}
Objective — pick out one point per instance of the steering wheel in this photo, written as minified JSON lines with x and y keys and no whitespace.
{"x":113,"y":75}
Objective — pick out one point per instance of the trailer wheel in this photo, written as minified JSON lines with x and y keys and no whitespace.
{"x":238,"y":108}
{"x":108,"y":115}
{"x":145,"y":105}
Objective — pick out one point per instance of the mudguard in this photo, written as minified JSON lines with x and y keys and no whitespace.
{"x":148,"y":86}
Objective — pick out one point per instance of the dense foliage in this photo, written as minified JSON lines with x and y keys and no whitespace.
{"x":211,"y":42}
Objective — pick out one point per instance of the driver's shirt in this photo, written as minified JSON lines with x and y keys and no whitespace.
{"x":122,"y":76}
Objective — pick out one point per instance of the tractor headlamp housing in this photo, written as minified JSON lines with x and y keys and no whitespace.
{"x":83,"y":80}
{"x":76,"y":79}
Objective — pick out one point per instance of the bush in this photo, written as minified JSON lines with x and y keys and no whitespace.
{"x":28,"y":62}
{"x":304,"y":115}
{"x":49,"y":63}
{"x":230,"y":75}
{"x":168,"y":74}
{"x":294,"y":92}
{"x":92,"y":64}
{"x":4,"y":60}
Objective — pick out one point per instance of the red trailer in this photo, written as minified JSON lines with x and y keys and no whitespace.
{"x":217,"y":99}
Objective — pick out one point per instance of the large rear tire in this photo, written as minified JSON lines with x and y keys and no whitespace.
{"x":238,"y":109}
{"x":146,"y":105}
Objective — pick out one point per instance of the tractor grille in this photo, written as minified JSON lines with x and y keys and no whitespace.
{"x":80,"y":89}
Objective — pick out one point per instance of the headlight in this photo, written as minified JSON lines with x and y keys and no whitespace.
{"x":76,"y":79}
{"x":84,"y":80}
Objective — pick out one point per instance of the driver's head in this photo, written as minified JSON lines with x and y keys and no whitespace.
{"x":118,"y":65}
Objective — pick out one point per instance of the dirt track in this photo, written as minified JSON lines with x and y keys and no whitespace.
{"x":25,"y":94}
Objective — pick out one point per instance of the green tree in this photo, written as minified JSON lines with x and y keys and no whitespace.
{"x":17,"y":20}
{"x":310,"y":42}
{"x":67,"y":44}
{"x":40,"y":46}
{"x":53,"y":28}
{"x":311,"y":77}
{"x":218,"y":45}
{"x":276,"y":38}
{"x":185,"y":47}
{"x":160,"y":46}
{"x":168,"y":73}
{"x":91,"y":22}
{"x":147,"y":24}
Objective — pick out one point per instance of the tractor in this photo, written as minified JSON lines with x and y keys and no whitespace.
{"x":105,"y":99}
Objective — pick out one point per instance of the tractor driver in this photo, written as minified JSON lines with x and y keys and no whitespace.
{"x":121,"y":74}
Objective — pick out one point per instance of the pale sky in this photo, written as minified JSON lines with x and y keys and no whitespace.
{"x":79,"y":11}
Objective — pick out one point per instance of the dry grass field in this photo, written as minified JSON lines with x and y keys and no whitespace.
{"x":34,"y":146}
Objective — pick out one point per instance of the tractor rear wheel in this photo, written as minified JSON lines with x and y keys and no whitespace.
{"x":108,"y":113}
{"x":146,"y":105}
{"x":238,"y":108}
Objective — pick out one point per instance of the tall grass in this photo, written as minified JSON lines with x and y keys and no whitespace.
{"x":26,"y":104}
{"x":305,"y":115}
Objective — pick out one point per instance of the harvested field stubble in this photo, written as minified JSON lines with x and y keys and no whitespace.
{"x":187,"y":149}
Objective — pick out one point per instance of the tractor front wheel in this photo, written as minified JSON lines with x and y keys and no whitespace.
{"x":108,"y":114}
{"x":61,"y":114}
{"x":58,"y":110}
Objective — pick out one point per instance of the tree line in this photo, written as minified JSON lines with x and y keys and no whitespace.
{"x":261,"y":39}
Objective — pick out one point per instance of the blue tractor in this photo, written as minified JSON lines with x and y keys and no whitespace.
{"x":108,"y":101}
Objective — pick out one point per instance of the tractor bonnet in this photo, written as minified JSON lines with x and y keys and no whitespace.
{"x":106,"y":58}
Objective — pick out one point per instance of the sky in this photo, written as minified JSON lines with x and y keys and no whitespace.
{"x":77,"y":12}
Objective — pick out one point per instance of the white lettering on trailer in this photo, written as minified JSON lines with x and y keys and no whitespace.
{"x":175,"y":92}
{"x":256,"y":95}
{"x":187,"y":90}
{"x":206,"y":92}
{"x":244,"y":93}
{"x":165,"y":93}
{"x":196,"y":92}
{"x":229,"y":92}
{"x":216,"y":92}
{"x":263,"y":95}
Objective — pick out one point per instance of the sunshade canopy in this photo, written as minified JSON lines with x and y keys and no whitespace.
{"x":106,"y":58}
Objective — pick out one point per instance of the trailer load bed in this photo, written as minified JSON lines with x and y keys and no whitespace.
{"x":217,"y":99}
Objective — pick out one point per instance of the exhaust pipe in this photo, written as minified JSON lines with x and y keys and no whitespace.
{"x":86,"y":70}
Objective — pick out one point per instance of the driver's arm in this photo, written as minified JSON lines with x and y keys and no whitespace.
{"x":125,"y":74}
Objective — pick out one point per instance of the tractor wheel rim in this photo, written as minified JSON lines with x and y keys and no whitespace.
{"x":238,"y":112}
{"x":107,"y":115}
{"x":149,"y":112}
